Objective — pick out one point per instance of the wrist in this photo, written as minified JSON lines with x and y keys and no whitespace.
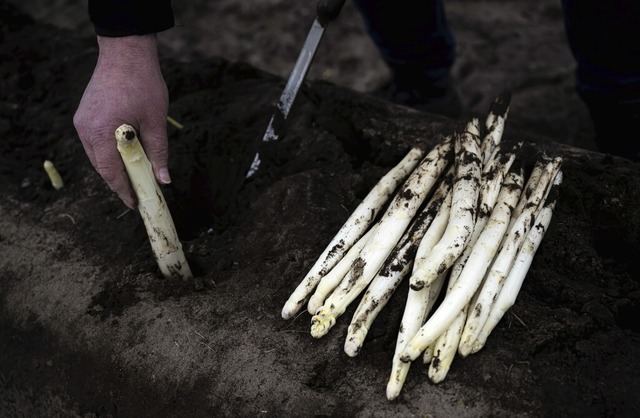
{"x":134,"y":48}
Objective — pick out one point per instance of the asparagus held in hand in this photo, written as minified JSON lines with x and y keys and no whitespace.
{"x":153,"y":209}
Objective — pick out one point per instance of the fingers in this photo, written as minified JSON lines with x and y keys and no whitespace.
{"x":100,"y":147}
{"x":109,"y":165}
{"x":153,"y":137}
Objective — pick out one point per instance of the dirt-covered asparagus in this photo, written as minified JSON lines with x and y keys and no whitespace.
{"x":391,"y":227}
{"x":466,"y":189}
{"x":419,"y":305}
{"x":355,"y":226}
{"x":474,"y":270}
{"x":446,"y":345}
{"x":494,"y":124}
{"x":479,"y":311}
{"x":511,"y":288}
{"x":394,"y":269}
{"x":332,"y":279}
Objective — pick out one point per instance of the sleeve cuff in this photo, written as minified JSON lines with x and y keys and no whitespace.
{"x":130,"y":17}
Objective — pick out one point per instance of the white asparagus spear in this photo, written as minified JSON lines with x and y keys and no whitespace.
{"x":392,"y":225}
{"x":444,"y":349}
{"x":511,"y":288}
{"x":493,"y":179}
{"x":471,"y":275}
{"x":394,"y":270}
{"x":494,"y":124}
{"x":419,"y":303}
{"x":493,"y":176}
{"x":358,"y":222}
{"x":446,"y":345}
{"x":466,"y":188}
{"x":331,"y":280}
{"x":541,"y":164}
{"x":153,"y":209}
{"x":479,"y":311}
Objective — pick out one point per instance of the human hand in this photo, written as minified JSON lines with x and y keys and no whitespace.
{"x":127,"y":86}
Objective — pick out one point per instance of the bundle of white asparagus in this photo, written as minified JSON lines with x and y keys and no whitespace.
{"x":463,"y":220}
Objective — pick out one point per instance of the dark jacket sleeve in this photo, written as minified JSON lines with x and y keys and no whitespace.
{"x":114,"y":18}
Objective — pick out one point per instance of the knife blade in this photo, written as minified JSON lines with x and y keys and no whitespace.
{"x":326,"y":11}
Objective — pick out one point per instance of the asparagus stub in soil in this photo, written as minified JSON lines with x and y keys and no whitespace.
{"x":391,"y":227}
{"x":355,"y":226}
{"x":166,"y":247}
{"x":53,"y":174}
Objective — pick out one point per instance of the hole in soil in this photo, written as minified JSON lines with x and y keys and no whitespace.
{"x":628,"y":316}
{"x":340,"y":126}
{"x":208,"y":166}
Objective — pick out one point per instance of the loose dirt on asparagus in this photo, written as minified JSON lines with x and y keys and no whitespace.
{"x":89,"y":328}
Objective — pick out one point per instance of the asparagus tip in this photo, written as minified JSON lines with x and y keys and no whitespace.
{"x":500,"y":105}
{"x":288,"y":311}
{"x":464,"y":349}
{"x":125,"y":133}
{"x":54,"y":175}
{"x":393,"y":390}
{"x":354,"y":342}
{"x":437,"y":376}
{"x":315,"y":303}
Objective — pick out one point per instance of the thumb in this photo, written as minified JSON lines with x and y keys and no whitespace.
{"x":155,"y":144}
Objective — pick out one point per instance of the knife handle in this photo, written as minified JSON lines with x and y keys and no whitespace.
{"x":328,"y":10}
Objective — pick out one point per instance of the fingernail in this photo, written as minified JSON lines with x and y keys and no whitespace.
{"x":163,"y":173}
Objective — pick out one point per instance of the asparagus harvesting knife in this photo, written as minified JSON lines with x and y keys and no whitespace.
{"x":326,"y":11}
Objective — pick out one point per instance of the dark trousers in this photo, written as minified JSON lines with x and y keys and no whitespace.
{"x":604,"y":37}
{"x":414,"y":38}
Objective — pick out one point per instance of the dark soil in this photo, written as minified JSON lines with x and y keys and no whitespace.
{"x":89,"y":328}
